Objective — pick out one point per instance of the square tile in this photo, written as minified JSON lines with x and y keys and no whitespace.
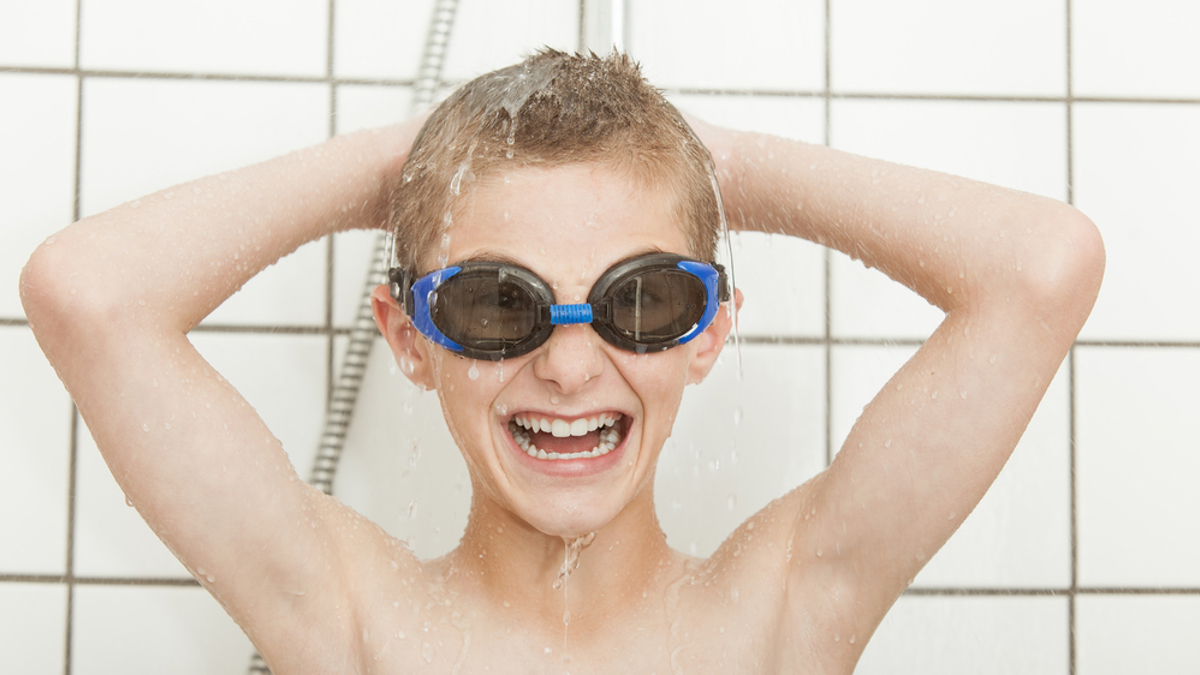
{"x":798,"y":117}
{"x":281,"y":376}
{"x":368,"y":106}
{"x":33,"y":627}
{"x":1019,"y":535}
{"x":400,"y":466}
{"x":35,"y":414}
{"x":866,"y":303}
{"x":38,"y":34}
{"x":1136,"y":466}
{"x":133,"y":145}
{"x":1137,"y":634}
{"x":1017,"y":144}
{"x":111,"y":539}
{"x":979,"y":635}
{"x":687,"y":44}
{"x":946,"y":47}
{"x":266,"y":37}
{"x":380,"y":39}
{"x":490,"y":35}
{"x":752,"y":432}
{"x":37,"y":175}
{"x":361,"y":107}
{"x":1148,"y":50}
{"x":149,"y":629}
{"x":1135,"y":174}
{"x":782,"y":280}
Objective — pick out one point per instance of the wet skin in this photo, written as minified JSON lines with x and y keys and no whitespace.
{"x":568,"y":225}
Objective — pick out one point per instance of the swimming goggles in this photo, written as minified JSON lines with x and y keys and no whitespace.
{"x":494,"y":311}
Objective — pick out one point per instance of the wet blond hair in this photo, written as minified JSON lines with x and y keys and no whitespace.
{"x":553,"y":109}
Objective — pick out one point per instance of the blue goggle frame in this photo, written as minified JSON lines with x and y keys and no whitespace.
{"x":697,"y":289}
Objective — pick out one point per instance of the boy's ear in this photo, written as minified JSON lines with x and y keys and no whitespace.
{"x":408,"y":347}
{"x":709,"y":344}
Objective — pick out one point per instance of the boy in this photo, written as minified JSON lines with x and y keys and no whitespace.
{"x":559,"y":218}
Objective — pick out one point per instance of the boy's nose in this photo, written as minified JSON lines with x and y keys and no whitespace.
{"x":571,"y":357}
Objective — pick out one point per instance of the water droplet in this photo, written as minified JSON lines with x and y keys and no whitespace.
{"x":737,"y":416}
{"x":837,"y":637}
{"x":732,"y":500}
{"x":887,"y":443}
{"x":400,"y":635}
{"x":473,"y":373}
{"x":145,"y":427}
{"x":992,"y":358}
{"x":852,"y":639}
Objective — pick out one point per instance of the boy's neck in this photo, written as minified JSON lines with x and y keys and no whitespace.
{"x":534,"y":575}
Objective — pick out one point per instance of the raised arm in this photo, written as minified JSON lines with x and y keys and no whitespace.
{"x":1016,"y":275}
{"x":111,"y":300}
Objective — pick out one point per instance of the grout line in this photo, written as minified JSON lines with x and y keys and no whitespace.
{"x":69,"y":567}
{"x":923,"y":591}
{"x":700,"y":91}
{"x":330,"y":240}
{"x":73,"y":435}
{"x":261,"y":328}
{"x":780,"y":340}
{"x":1072,"y":427}
{"x":581,"y":34}
{"x":826,"y":255}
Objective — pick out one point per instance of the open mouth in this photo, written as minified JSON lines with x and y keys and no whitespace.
{"x":544,"y":437}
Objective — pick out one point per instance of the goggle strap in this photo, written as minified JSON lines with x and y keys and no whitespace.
{"x":567,"y":314}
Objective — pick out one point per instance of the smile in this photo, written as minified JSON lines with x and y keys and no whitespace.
{"x":552,"y":438}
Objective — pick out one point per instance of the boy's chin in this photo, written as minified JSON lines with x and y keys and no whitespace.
{"x":571,"y":521}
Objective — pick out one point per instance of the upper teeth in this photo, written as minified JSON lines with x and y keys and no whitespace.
{"x":521,"y":425}
{"x":562,"y":428}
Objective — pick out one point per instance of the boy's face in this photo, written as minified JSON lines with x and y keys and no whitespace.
{"x":568,"y":225}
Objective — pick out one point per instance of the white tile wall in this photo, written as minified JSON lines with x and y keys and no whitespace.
{"x":33,"y":621}
{"x":489,"y":35}
{"x":151,"y":629}
{"x":1017,"y":144}
{"x":1019,"y":535}
{"x":947,"y":47}
{"x":1137,"y":634}
{"x":379,"y":39}
{"x":1151,"y":51}
{"x":1137,"y":466}
{"x":35,"y":415}
{"x":133,"y":145}
{"x":37,"y":173}
{"x":264,"y":37}
{"x":993,"y":635}
{"x":764,"y":45}
{"x":1135,"y":172}
{"x":38,"y":33}
{"x":1132,"y":407}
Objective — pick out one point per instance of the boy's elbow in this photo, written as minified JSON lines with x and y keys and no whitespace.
{"x":1067,"y":281}
{"x":53,"y":305}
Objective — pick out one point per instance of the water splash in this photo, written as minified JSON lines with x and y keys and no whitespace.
{"x":572,"y":547}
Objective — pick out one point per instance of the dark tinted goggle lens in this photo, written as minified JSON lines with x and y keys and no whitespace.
{"x":495,"y":311}
{"x":657,"y":306}
{"x":484,"y":311}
